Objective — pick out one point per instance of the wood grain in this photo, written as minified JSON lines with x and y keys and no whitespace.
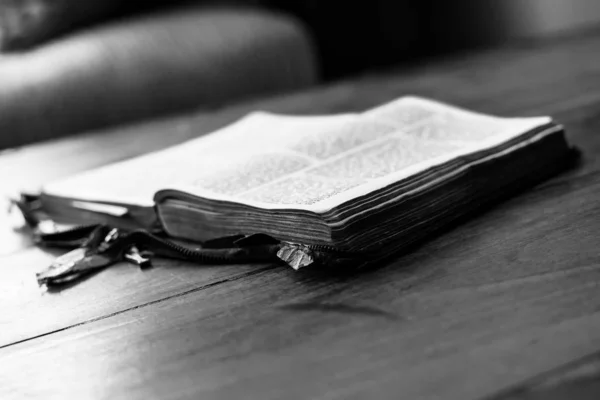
{"x":495,"y":301}
{"x":577,"y":380}
{"x":481,"y":309}
{"x":27,"y":312}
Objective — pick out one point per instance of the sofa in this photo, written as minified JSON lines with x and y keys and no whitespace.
{"x":145,"y":66}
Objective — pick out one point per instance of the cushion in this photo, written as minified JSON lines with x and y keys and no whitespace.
{"x":150,"y":66}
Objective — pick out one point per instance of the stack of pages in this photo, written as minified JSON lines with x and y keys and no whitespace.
{"x":371,"y":182}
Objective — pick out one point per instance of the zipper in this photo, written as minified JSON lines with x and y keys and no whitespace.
{"x":235,"y":254}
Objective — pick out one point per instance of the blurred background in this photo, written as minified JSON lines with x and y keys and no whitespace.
{"x":390,"y":31}
{"x":494,"y":21}
{"x":71,"y":66}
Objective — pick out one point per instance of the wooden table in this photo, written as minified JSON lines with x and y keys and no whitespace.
{"x":506,"y":306}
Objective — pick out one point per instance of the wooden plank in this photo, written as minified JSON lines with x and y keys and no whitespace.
{"x":28,"y":312}
{"x":577,"y":380}
{"x":491,"y":303}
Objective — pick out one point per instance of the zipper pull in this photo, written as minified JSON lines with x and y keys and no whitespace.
{"x":81,"y":261}
{"x":134,"y":256}
{"x":297,"y":256}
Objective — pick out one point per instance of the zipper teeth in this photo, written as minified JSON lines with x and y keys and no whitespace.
{"x":333,"y":250}
{"x":186,"y":252}
{"x":190,"y":253}
{"x":196,"y":255}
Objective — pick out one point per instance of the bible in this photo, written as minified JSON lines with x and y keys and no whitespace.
{"x":371,"y":183}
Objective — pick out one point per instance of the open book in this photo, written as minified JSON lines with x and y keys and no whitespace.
{"x":375,"y":181}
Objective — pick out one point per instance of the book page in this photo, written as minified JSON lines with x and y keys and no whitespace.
{"x":135,"y":181}
{"x":327,"y":166}
{"x":312,"y":163}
